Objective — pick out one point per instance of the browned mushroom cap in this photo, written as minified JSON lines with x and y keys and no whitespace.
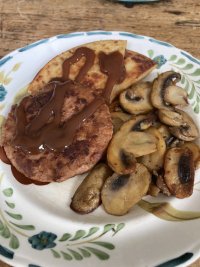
{"x":195,"y":149}
{"x":88,"y":195}
{"x":175,"y":95}
{"x":164,"y":80}
{"x":121,"y":192}
{"x":118,"y":118}
{"x":130,"y":142}
{"x":154,"y":161}
{"x":136,"y":100}
{"x":179,"y":172}
{"x":188,"y":131}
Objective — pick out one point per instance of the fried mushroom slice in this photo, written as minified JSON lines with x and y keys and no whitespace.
{"x":179,"y":172}
{"x":187,"y":131}
{"x":121,"y":192}
{"x":176,"y":96}
{"x":171,"y":117}
{"x":160,"y":84}
{"x":136,"y":99}
{"x":154,"y":161}
{"x":195,"y":149}
{"x":118,"y":118}
{"x":88,"y":195}
{"x":129,"y":143}
{"x":162,"y":186}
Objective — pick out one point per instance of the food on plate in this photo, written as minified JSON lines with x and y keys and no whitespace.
{"x":88,"y":195}
{"x":121,"y":192}
{"x":165,"y":92}
{"x":48,"y":163}
{"x":87,"y":111}
{"x":63,"y":127}
{"x":179,"y":171}
{"x":137,"y":66}
{"x":130,"y":142}
{"x":118,"y":118}
{"x":154,"y":161}
{"x":136,"y":99}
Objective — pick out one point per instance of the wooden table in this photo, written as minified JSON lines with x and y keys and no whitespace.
{"x":26,"y":21}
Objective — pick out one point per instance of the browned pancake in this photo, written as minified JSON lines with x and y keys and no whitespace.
{"x":89,"y":143}
{"x":137,"y":67}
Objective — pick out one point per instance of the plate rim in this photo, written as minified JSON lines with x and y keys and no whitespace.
{"x":98,"y":32}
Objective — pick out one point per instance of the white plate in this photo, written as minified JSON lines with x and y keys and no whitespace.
{"x":37,"y":227}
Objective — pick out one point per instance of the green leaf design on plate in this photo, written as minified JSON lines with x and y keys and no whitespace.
{"x":108,"y":227}
{"x":165,"y":211}
{"x":188,"y":67}
{"x":1,"y":226}
{"x":119,"y":227}
{"x":14,"y":242}
{"x":150,"y":53}
{"x":55,"y":253}
{"x":181,"y":61}
{"x":173,"y":58}
{"x":8,"y":192}
{"x":66,"y":256}
{"x":192,"y":92}
{"x":79,"y":234}
{"x":77,"y":256}
{"x":65,"y":237}
{"x":98,"y":253}
{"x":103,"y":244}
{"x":196,"y":73}
{"x":85,"y":253}
{"x":92,"y":231}
{"x":187,"y":86}
{"x":14,"y":215}
{"x":10,"y":205}
{"x":182,"y":79}
{"x":24,"y":226}
{"x":6,"y":232}
{"x":197,"y":109}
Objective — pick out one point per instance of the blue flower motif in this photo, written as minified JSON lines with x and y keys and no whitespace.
{"x":3,"y":92}
{"x":42,"y":240}
{"x":160,"y":60}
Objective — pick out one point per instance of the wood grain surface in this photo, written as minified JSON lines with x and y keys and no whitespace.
{"x":26,"y":21}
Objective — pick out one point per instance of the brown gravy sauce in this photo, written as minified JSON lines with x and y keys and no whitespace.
{"x":39,"y":135}
{"x":22,"y":179}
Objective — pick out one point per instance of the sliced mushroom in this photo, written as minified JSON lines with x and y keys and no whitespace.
{"x":162,"y":186}
{"x":171,"y":117}
{"x":175,"y":95}
{"x":154,"y":161}
{"x":179,"y":172}
{"x":128,"y":143}
{"x":158,"y":93}
{"x":121,"y":192}
{"x":195,"y":149}
{"x":188,"y":131}
{"x":136,"y":100}
{"x":170,"y":140}
{"x":153,"y":190}
{"x":88,"y":195}
{"x":118,"y":118}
